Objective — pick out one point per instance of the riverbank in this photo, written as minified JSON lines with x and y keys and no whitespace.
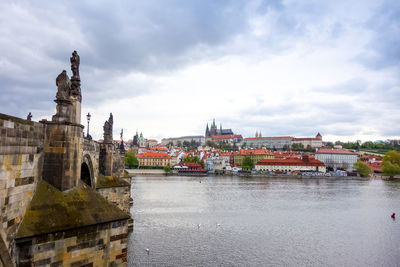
{"x":158,"y":172}
{"x":141,"y":172}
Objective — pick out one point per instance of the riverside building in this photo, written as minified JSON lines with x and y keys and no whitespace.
{"x":337,"y":158}
{"x":306,"y":164}
{"x":154,"y":159}
{"x":254,"y":154}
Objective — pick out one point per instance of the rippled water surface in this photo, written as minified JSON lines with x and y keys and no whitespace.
{"x":230,"y":221}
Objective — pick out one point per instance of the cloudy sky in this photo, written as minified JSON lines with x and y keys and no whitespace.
{"x":167,"y":67}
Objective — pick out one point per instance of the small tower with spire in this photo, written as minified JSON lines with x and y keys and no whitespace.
{"x":207,"y":131}
{"x":213,"y":129}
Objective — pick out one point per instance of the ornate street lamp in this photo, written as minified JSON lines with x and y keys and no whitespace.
{"x":88,"y":120}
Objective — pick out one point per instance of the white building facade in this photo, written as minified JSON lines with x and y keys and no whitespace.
{"x":337,"y":158}
{"x":291,"y":165}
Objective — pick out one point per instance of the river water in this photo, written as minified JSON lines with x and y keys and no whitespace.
{"x":232,"y":221}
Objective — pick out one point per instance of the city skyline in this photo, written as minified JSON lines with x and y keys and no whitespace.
{"x":166,"y":69}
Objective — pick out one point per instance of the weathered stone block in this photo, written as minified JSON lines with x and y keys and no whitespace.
{"x":8,"y":124}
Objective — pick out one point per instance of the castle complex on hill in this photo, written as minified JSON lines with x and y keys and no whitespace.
{"x":213,"y":130}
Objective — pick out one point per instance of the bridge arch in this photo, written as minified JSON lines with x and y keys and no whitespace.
{"x":87,"y":174}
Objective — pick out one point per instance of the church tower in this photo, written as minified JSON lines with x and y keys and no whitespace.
{"x":213,"y":130}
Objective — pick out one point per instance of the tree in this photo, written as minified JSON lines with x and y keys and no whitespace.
{"x":368,"y":145}
{"x":297,"y":146}
{"x":244,"y":145}
{"x":363,"y":169}
{"x":167,"y":170}
{"x":211,"y":144}
{"x":130,"y":160}
{"x":247,"y":163}
{"x":191,"y":159}
{"x":329,"y":144}
{"x":391,"y":163}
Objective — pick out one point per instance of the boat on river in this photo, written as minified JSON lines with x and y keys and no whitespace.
{"x":191,"y":169}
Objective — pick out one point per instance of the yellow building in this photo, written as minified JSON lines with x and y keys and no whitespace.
{"x":255,"y":154}
{"x":154,"y":159}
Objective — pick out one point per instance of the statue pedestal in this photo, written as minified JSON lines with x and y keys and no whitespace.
{"x":63,"y":110}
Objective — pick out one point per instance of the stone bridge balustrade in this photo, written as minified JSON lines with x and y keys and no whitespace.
{"x":54,"y":208}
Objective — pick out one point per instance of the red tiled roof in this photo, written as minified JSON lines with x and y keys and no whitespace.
{"x":290,"y":162}
{"x":260,"y":151}
{"x":275,"y":137}
{"x":192,"y":164}
{"x":229,"y":136}
{"x":153,"y":155}
{"x":334,"y":151}
{"x":158,"y":148}
{"x":226,"y":153}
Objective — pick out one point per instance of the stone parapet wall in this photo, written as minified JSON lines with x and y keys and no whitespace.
{"x":118,"y":163}
{"x":120,"y":196}
{"x":98,"y":245}
{"x":21,"y":145}
{"x":112,"y":160}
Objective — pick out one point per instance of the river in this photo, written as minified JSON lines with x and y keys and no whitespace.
{"x":231,"y":221}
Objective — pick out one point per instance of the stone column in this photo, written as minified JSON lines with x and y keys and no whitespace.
{"x":63,"y":135}
{"x":62,"y":154}
{"x":106,"y":159}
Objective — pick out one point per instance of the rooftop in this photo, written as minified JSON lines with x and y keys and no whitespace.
{"x":273,"y":137}
{"x":291,"y":162}
{"x":227,"y":136}
{"x":260,"y":151}
{"x":153,"y":155}
{"x":334,"y":151}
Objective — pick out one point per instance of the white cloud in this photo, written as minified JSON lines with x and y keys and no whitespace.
{"x":285,"y":68}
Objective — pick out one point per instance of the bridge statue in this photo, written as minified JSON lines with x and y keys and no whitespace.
{"x":75,"y":79}
{"x":63,"y":86}
{"x":108,"y":129}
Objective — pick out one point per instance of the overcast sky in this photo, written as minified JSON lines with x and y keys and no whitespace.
{"x":166,"y":67}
